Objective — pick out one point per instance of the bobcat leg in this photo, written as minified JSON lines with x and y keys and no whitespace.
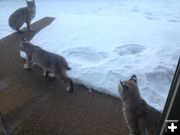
{"x":29,"y":26}
{"x":28,"y":64}
{"x":70,"y":88}
{"x":45,"y":72}
{"x":68,"y":84}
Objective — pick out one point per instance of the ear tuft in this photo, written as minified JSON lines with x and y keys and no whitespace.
{"x":122,"y":84}
{"x":133,"y":78}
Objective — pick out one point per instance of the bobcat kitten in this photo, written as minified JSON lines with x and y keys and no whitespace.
{"x":141,"y":118}
{"x":23,"y":15}
{"x":53,"y":65}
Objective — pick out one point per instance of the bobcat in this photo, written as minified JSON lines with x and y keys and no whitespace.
{"x":53,"y":65}
{"x":141,"y":118}
{"x":23,"y":15}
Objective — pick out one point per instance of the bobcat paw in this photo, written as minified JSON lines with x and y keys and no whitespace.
{"x":51,"y":75}
{"x":45,"y":74}
{"x":30,"y":30}
{"x":25,"y":66}
{"x":69,"y":89}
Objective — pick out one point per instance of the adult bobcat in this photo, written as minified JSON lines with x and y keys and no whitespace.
{"x":53,"y":65}
{"x":141,"y":118}
{"x":23,"y":15}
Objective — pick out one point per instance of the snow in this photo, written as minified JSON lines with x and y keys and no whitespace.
{"x":108,"y":41}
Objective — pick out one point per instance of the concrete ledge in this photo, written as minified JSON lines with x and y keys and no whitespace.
{"x":33,"y":105}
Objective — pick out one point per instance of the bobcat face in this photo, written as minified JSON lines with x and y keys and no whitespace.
{"x":129,"y":91}
{"x":30,"y":4}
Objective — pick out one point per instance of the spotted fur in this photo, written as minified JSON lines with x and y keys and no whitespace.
{"x":53,"y":65}
{"x":141,"y":118}
{"x":23,"y":15}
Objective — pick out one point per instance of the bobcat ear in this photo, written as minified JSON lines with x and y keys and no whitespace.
{"x":32,"y":1}
{"x":133,"y":78}
{"x":124,"y":85}
{"x":29,"y":1}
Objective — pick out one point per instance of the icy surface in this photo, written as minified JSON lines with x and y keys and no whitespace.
{"x":108,"y":41}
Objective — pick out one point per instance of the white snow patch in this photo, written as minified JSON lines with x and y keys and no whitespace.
{"x":108,"y":41}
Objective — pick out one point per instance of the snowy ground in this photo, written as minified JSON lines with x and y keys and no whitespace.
{"x":107,"y":41}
